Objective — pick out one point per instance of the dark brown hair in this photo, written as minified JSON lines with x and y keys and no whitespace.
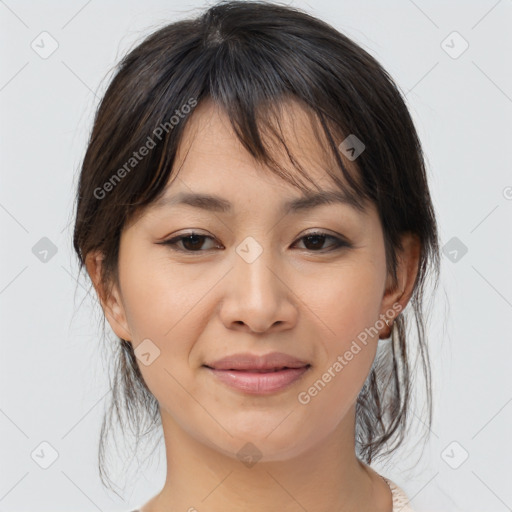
{"x":248,"y":57}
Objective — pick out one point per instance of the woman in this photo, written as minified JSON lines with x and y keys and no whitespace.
{"x":253,"y":211}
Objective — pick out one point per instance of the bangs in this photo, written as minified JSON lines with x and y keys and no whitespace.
{"x":253,"y":83}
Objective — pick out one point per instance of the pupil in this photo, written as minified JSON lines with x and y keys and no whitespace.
{"x":192,"y":240}
{"x":315,"y":237}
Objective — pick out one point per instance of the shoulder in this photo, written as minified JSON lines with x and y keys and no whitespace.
{"x":400,"y":499}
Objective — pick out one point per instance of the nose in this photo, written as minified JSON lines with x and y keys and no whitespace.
{"x":257,"y":297}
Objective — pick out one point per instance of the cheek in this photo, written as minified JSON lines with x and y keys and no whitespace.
{"x":165,"y":303}
{"x":347,"y":308}
{"x":348,"y":300}
{"x":349,"y":353}
{"x":159,"y":296}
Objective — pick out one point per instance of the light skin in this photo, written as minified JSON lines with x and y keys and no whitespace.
{"x":307,"y":299}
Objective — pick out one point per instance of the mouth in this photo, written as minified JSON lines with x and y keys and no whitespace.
{"x":258,"y":370}
{"x":258,"y":381}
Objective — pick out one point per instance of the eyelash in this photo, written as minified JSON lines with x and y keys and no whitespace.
{"x":173,"y":242}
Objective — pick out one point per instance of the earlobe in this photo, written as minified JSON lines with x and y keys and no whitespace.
{"x":397,"y":297}
{"x":110,"y":300}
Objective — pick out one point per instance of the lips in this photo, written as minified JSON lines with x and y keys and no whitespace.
{"x":274,"y":361}
{"x":258,"y":375}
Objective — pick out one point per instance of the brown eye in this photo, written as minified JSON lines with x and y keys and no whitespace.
{"x":315,"y":241}
{"x":194,"y":242}
{"x":190,"y":242}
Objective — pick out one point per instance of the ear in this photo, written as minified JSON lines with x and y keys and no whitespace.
{"x":111,"y":303}
{"x":397,"y":296}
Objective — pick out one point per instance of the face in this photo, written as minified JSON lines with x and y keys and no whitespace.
{"x":253,"y":279}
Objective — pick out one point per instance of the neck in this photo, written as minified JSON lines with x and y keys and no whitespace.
{"x":325,"y":478}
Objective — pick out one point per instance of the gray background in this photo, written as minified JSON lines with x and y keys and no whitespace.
{"x":53,"y":374}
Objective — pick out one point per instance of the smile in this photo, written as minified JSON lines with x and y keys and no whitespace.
{"x":259,"y":382}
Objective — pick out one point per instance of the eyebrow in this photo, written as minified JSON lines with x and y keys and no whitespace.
{"x":218,"y":204}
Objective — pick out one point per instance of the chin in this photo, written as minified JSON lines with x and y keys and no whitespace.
{"x":262,"y":445}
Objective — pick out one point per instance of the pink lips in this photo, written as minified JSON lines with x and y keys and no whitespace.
{"x":259,"y":374}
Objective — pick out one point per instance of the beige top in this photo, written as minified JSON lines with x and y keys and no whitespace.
{"x":400,"y":500}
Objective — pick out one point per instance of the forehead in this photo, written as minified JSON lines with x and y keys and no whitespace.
{"x":290,"y":133}
{"x":213,"y":171}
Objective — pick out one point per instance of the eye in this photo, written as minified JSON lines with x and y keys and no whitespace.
{"x":194,"y":242}
{"x":316,"y":240}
